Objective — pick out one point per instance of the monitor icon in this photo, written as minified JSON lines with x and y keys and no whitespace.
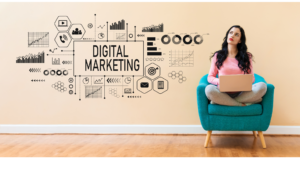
{"x":62,"y":23}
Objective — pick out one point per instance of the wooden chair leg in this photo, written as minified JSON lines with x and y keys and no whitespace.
{"x":207,"y":138}
{"x":254,"y":133}
{"x":261,"y":136}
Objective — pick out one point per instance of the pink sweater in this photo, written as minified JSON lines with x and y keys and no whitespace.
{"x":229,"y":67}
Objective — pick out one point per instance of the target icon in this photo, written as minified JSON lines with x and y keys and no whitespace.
{"x":152,"y":71}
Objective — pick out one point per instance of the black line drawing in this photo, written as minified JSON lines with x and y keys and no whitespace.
{"x":99,"y":81}
{"x":101,"y":26}
{"x":127,"y":90}
{"x":144,"y":85}
{"x":56,"y":72}
{"x":77,"y":31}
{"x":149,"y":43}
{"x":154,"y":59}
{"x":153,"y":28}
{"x":71,"y":86}
{"x":174,"y":39}
{"x":160,"y":85}
{"x":93,"y":91}
{"x":101,"y":35}
{"x":52,"y":50}
{"x":38,"y":39}
{"x":187,"y":39}
{"x":32,"y":58}
{"x":90,"y":25}
{"x":127,"y":80}
{"x":120,"y":36}
{"x":67,"y":62}
{"x":113,"y":80}
{"x":114,"y":92}
{"x":59,"y":86}
{"x":181,"y":58}
{"x":135,"y":97}
{"x":141,"y":35}
{"x":70,"y":91}
{"x":71,"y":80}
{"x":62,"y":23}
{"x":37,"y":80}
{"x":187,"y":42}
{"x":118,"y":26}
{"x":130,"y":35}
{"x":201,"y":39}
{"x":163,"y":39}
{"x":63,"y":39}
{"x":152,"y":71}
{"x":34,"y":70}
{"x":56,"y":61}
{"x":46,"y":72}
{"x":86,"y":80}
{"x":152,"y":48}
{"x":178,"y":75}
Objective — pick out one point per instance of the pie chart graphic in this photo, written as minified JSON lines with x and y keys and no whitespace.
{"x":101,"y":35}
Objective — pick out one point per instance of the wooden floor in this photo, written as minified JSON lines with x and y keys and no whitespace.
{"x":146,"y":146}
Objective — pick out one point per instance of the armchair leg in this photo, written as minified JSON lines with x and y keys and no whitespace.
{"x":207,"y":138}
{"x":254,"y":133}
{"x":261,"y":136}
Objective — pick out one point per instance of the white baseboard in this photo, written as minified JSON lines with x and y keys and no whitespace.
{"x":132,"y":129}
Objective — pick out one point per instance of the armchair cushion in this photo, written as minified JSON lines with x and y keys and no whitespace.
{"x":252,"y":110}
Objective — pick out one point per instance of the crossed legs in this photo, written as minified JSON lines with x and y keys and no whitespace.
{"x":258,"y":91}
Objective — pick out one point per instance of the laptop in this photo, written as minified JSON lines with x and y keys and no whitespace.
{"x":235,"y":83}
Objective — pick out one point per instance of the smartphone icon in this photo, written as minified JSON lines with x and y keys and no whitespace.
{"x":160,"y":84}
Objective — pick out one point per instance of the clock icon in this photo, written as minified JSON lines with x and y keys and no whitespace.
{"x":127,"y":80}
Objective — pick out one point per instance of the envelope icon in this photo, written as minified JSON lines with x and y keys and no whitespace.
{"x":144,"y":85}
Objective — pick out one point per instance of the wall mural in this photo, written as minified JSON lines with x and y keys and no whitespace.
{"x":117,"y":62}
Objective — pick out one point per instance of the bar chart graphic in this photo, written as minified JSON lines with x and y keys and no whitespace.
{"x":181,"y":58}
{"x":152,"y":51}
{"x":32,"y":58}
{"x":118,"y":26}
{"x":93,"y":91}
{"x":153,"y":28}
{"x":38,"y":39}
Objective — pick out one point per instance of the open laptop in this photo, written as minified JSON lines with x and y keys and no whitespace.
{"x":235,"y":83}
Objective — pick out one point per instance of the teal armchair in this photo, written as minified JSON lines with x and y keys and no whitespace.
{"x":256,"y":117}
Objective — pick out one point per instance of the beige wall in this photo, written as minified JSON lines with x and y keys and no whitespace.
{"x":272,"y":31}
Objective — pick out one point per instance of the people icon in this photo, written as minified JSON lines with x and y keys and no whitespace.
{"x":76,"y":32}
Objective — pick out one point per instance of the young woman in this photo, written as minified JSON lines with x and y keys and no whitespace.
{"x":233,"y":58}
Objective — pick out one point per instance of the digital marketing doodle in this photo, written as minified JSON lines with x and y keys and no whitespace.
{"x":106,"y":60}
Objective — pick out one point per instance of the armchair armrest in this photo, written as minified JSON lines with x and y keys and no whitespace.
{"x":202,"y":103}
{"x":267,"y":105}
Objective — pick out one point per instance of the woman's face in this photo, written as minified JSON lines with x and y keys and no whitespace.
{"x":234,"y":36}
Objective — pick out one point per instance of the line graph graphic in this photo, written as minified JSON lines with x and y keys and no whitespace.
{"x":181,"y":58}
{"x":93,"y":91}
{"x":38,"y":39}
{"x":120,"y":36}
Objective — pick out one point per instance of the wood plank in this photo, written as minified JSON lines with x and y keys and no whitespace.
{"x":148,"y":145}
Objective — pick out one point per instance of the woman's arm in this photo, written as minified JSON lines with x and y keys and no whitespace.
{"x":211,"y":78}
{"x":251,"y":67}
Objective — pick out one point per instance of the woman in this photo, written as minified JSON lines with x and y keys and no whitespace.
{"x":233,"y":58}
